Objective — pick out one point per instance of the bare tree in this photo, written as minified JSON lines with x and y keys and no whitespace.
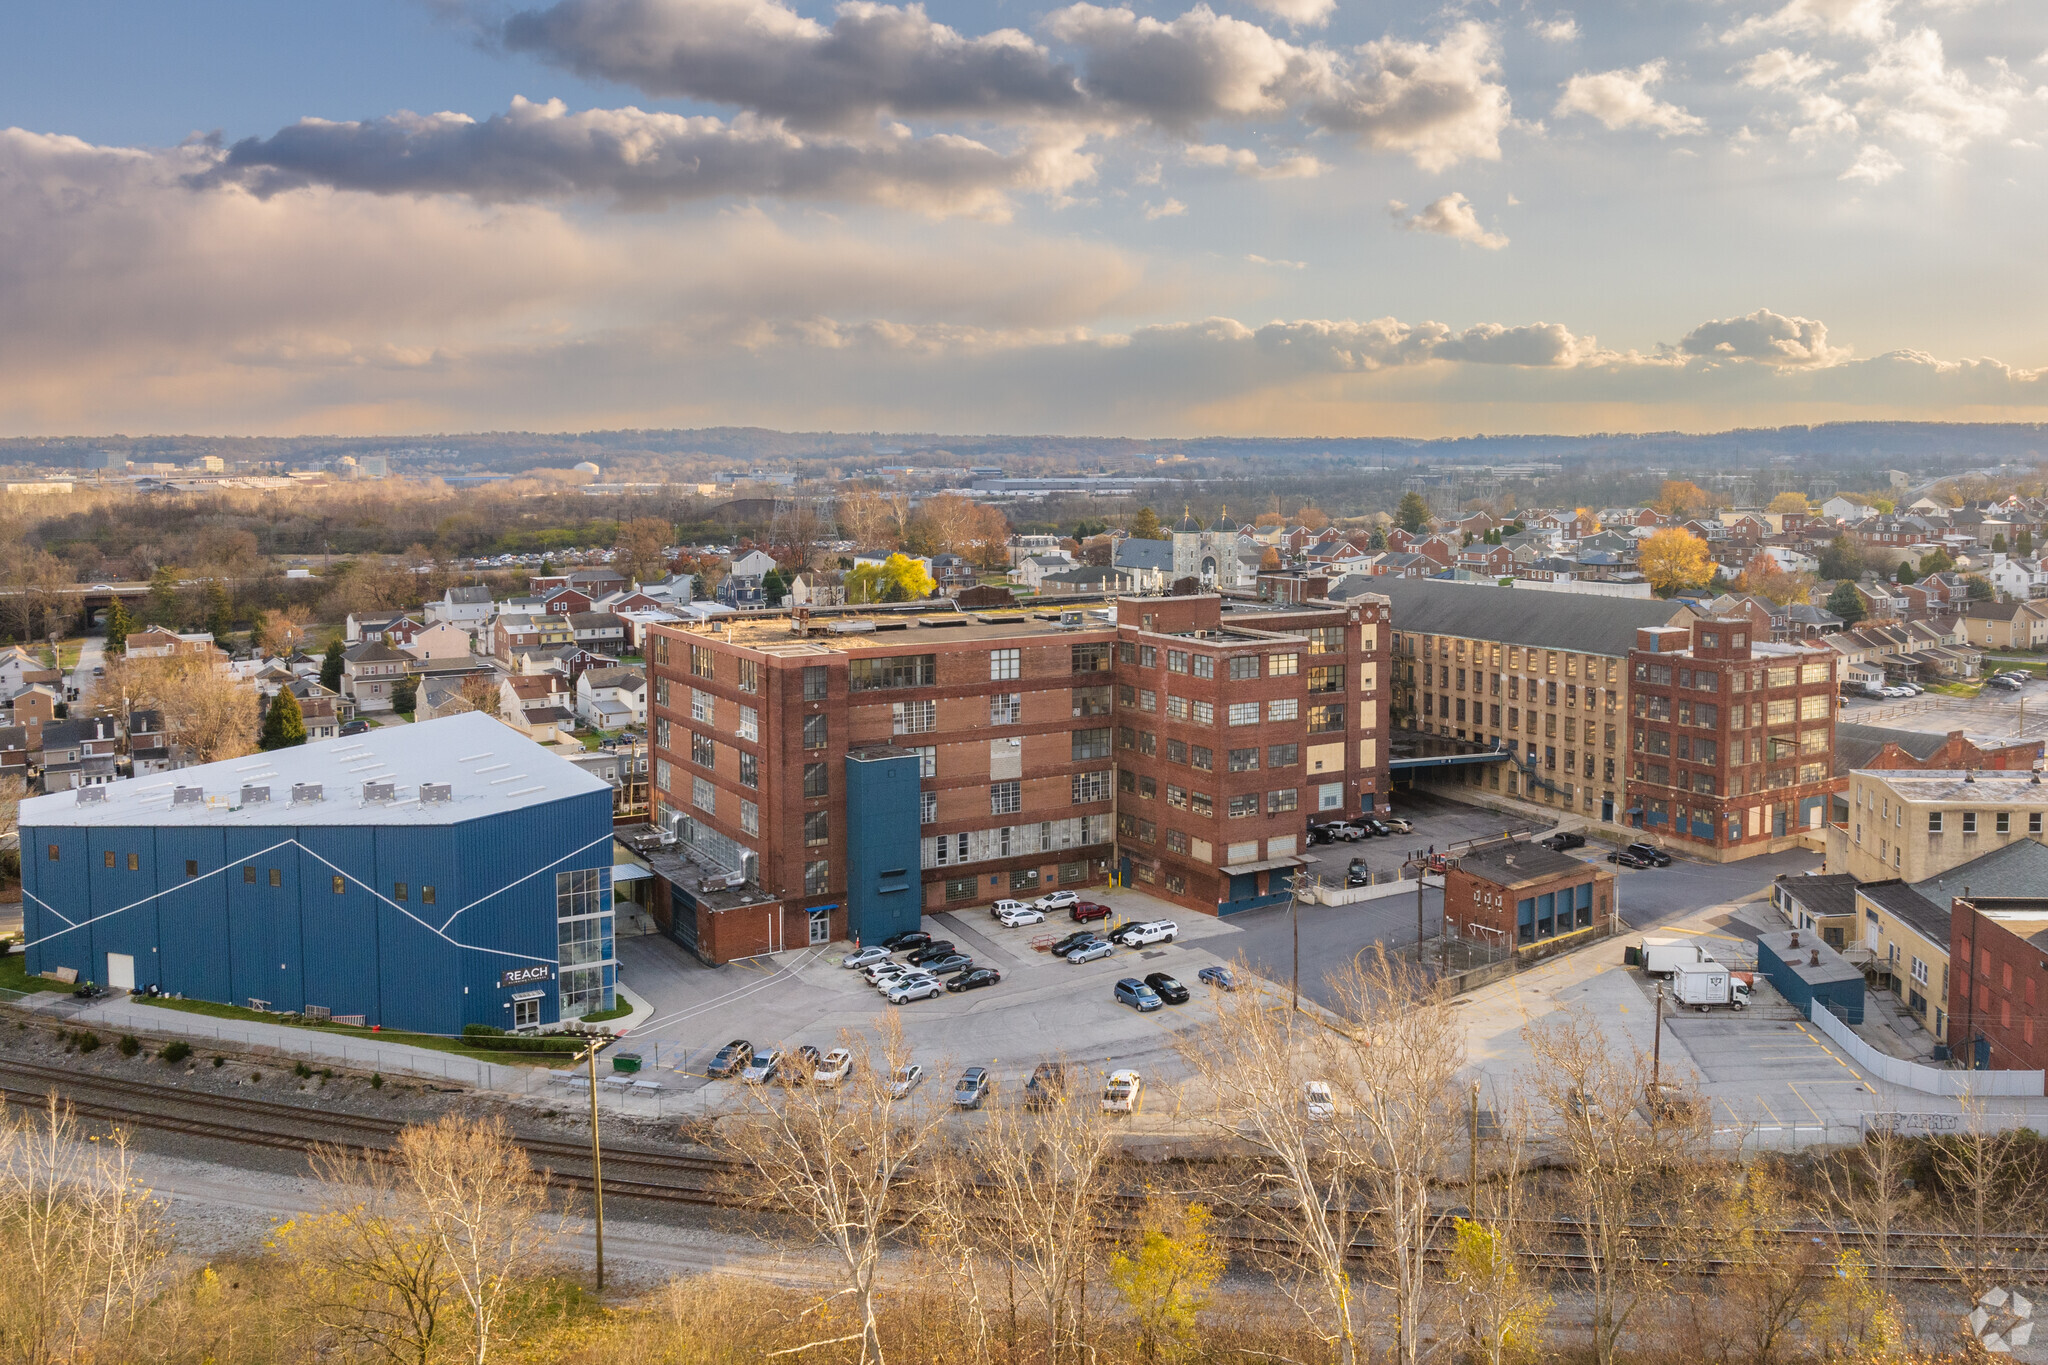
{"x":86,"y":1247}
{"x":873,"y":518}
{"x":841,"y":1160}
{"x":642,"y":549}
{"x":486,"y":1210}
{"x":1498,"y":1302}
{"x":210,"y":713}
{"x":1871,"y":1187}
{"x":799,"y":525}
{"x":1767,"y":1281}
{"x":1989,"y":1185}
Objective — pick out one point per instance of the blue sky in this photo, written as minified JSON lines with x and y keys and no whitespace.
{"x":1292,"y":216}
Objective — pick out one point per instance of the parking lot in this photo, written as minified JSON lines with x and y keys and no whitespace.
{"x":1994,"y":711}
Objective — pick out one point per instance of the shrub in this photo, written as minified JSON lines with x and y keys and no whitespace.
{"x":86,"y":1039}
{"x":175,"y":1052}
{"x":376,"y":1080}
{"x":129,"y":1045}
{"x":302,"y":1071}
{"x":482,"y":1031}
{"x":220,"y":1062}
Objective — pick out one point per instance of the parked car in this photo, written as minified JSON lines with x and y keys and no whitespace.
{"x":1079,"y":938}
{"x":1167,"y":988}
{"x":906,"y":980}
{"x":1143,"y":932}
{"x":1047,"y":1086}
{"x":834,"y":1067}
{"x":731,"y":1059}
{"x":973,"y":1087}
{"x":1358,"y":873}
{"x":1123,"y":1093}
{"x":909,"y":939}
{"x":1626,"y":858}
{"x":1371,"y":826}
{"x":866,"y":957}
{"x":904,"y":1080}
{"x":1650,"y":853}
{"x":803,"y":1064}
{"x":923,"y":988}
{"x":762,"y":1069}
{"x":1321,"y":834}
{"x":1320,"y":1102}
{"x":355,"y":727}
{"x":1344,"y":832}
{"x":931,"y":952}
{"x":1006,"y":906}
{"x":973,"y":979}
{"x":949,"y":964}
{"x":1400,"y":824}
{"x":1022,"y":915}
{"x":1091,"y":952}
{"x":1139,"y":996}
{"x":887,"y":968}
{"x":1563,"y":840}
{"x":1084,"y":911}
{"x":1055,"y":900}
{"x":1220,"y":977}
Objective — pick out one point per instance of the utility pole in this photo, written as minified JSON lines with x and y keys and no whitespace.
{"x":1472,"y":1170}
{"x":597,"y":1045}
{"x":1294,"y":922}
{"x":1657,"y":1047}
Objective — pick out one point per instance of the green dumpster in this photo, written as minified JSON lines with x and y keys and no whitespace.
{"x":626,"y":1061}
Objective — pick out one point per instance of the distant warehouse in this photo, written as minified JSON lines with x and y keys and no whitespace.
{"x":422,"y":877}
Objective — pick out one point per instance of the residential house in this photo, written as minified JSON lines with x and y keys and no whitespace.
{"x":519,"y":633}
{"x":13,"y":751}
{"x":593,"y":583}
{"x":370,"y":672}
{"x":538,"y":705}
{"x":2005,"y":625}
{"x":1031,"y":571}
{"x":149,"y":747}
{"x":599,"y":631}
{"x":563,"y":601}
{"x":1839,"y":508}
{"x":2021,"y":578}
{"x":815,"y":588}
{"x":742,"y":587}
{"x":35,"y":706}
{"x":447,"y":696}
{"x":611,"y":698}
{"x":634,"y":622}
{"x":441,"y":640}
{"x":377,"y":626}
{"x":158,"y":643}
{"x":952,"y":572}
{"x":470,"y":608}
{"x":1089,"y":578}
{"x":19,"y":668}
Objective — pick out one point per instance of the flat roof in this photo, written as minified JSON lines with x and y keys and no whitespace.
{"x":487,"y":765}
{"x":1514,"y":863}
{"x":891,"y":633}
{"x":1976,"y":786}
{"x":1831,"y":968}
{"x":1575,"y":622}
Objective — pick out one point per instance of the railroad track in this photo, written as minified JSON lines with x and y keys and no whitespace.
{"x":682,"y":1178}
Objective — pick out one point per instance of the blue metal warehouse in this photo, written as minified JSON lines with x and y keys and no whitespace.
{"x":421,"y":877}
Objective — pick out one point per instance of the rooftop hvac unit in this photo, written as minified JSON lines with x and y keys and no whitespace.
{"x":307,"y":791}
{"x":92,"y":796}
{"x":436,"y":793}
{"x":189,"y":796}
{"x":255,"y":795}
{"x":379,"y":791}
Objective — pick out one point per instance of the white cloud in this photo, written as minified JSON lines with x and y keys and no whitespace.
{"x":1300,"y":13}
{"x":641,"y":159}
{"x":1438,"y":105}
{"x":1914,"y":93}
{"x":1451,"y":216}
{"x":1244,"y":161}
{"x":1172,"y":208}
{"x":1560,"y":28}
{"x":1873,"y":166}
{"x":1283,"y":264}
{"x":1622,"y":99}
{"x":1783,"y":69}
{"x":1866,"y":19}
{"x":1763,"y":336}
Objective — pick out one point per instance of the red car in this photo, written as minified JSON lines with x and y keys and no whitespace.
{"x":1084,"y":911}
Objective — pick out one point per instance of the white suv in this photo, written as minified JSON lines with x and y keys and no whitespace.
{"x":1018,"y":914}
{"x":1056,"y":900}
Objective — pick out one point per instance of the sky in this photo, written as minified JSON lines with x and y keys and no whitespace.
{"x":1240,"y":217}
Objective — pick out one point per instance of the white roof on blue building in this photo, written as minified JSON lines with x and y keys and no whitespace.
{"x":390,"y":775}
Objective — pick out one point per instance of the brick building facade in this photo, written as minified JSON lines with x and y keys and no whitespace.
{"x":1731,"y":738}
{"x":1998,"y":1016}
{"x":1528,"y":897}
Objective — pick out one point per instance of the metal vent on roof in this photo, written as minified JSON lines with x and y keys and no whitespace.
{"x":436,"y":793}
{"x":92,"y":796}
{"x":189,"y":796}
{"x":379,"y":791}
{"x":307,"y":791}
{"x":252,"y":795}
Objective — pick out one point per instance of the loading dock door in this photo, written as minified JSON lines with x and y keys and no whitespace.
{"x":120,"y":972}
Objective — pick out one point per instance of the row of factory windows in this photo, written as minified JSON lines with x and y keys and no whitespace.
{"x":400,"y":891}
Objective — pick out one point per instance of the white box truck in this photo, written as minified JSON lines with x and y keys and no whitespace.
{"x":1708,"y":984}
{"x":1663,"y":956}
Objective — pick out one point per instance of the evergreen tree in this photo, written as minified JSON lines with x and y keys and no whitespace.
{"x":1978,"y":587}
{"x":1845,"y":603}
{"x":220,"y":615}
{"x":774,"y":587}
{"x":162,"y":607}
{"x":1906,"y":575}
{"x":2023,"y":542}
{"x":119,"y":623}
{"x":1413,"y":513}
{"x":405,"y":695}
{"x":284,"y":725}
{"x":1839,"y":558}
{"x":330,"y":667}
{"x":1938,"y":562}
{"x":1998,"y":544}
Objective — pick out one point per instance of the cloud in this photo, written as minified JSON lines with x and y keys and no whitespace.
{"x":1283,"y":264}
{"x":1866,"y":19}
{"x":1783,"y":69}
{"x":1437,"y":105}
{"x":1873,"y":166}
{"x":1451,"y":216}
{"x":1764,"y":336}
{"x":1622,"y":99}
{"x":1299,"y":166}
{"x":1179,"y":73}
{"x":642,"y":160}
{"x":1915,"y":94}
{"x":1561,"y":28}
{"x":1172,"y":208}
{"x":1300,"y":13}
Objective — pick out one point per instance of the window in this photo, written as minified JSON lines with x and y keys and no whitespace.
{"x":53,"y":854}
{"x":961,"y":888}
{"x":1280,"y":802}
{"x":927,"y":808}
{"x":1283,"y":665}
{"x":1330,"y":796}
{"x":901,"y":670}
{"x":750,"y":818}
{"x":1919,"y":971}
{"x":1090,"y":744}
{"x":1244,"y":760}
{"x":700,"y":706}
{"x":662,"y":739}
{"x":750,"y":770}
{"x":1177,"y":797}
{"x":398,"y":891}
{"x":1244,"y":666}
{"x":2034,"y":823}
{"x":927,"y":760}
{"x":914,"y":717}
{"x":1148,"y":700}
{"x":1005,"y":798}
{"x":749,"y":673}
{"x":1244,"y":713}
{"x":1969,"y":822}
{"x":1127,"y":653}
{"x":1205,"y":713}
{"x":817,"y":877}
{"x":1176,"y":661}
{"x":817,"y":827}
{"x":1091,"y":658}
{"x":1323,"y":719}
{"x":1283,"y":755}
{"x":1324,"y":639}
{"x":249,"y":876}
{"x":1329,"y":678}
{"x":1199,"y":757}
{"x":816,"y":784}
{"x":1126,"y":780}
{"x":814,"y":683}
{"x":426,"y":894}
{"x":750,"y":724}
{"x":700,"y":661}
{"x":1815,"y":707}
{"x":1176,"y":707}
{"x":1005,"y":664}
{"x":1006,"y":708}
{"x":703,"y":795}
{"x":191,"y":867}
{"x":1201,"y":804}
{"x":703,"y":752}
{"x":1283,"y":708}
{"x":1176,"y":842}
{"x":2004,"y":825}
{"x":1091,"y":787}
{"x":1176,"y":750}
{"x":1244,"y":805}
{"x":664,"y":775}
{"x":1934,"y":822}
{"x":339,"y":886}
{"x":1148,"y":656}
{"x":1205,"y":666}
{"x":134,"y":862}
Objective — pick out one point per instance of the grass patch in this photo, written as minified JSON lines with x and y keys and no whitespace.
{"x":213,"y":1009}
{"x":14,"y":977}
{"x":618,"y":1011}
{"x":1956,"y":689}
